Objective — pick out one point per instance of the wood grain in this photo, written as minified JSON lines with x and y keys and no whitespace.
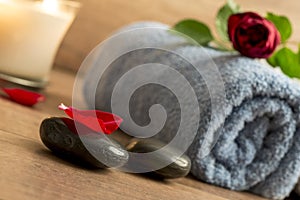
{"x":30,"y":171}
{"x":99,"y":18}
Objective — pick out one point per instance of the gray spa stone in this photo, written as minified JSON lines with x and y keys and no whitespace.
{"x":254,"y":137}
{"x":179,"y":167}
{"x":91,"y":148}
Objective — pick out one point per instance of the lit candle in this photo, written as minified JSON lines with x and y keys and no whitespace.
{"x":30,"y":34}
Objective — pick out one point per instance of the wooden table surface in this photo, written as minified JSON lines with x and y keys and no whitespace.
{"x":28,"y":170}
{"x":97,"y":19}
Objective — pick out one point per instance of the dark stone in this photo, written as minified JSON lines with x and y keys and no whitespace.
{"x":179,"y":167}
{"x":96,"y":151}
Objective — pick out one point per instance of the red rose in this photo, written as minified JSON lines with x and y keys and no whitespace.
{"x":252,"y":35}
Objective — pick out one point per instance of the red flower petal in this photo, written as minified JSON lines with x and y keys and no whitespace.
{"x":252,"y":35}
{"x":76,"y":128}
{"x":96,"y":120}
{"x":24,"y":97}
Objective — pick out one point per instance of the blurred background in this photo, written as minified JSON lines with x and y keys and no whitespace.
{"x":97,"y":19}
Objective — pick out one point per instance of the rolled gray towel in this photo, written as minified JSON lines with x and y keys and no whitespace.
{"x":258,"y":148}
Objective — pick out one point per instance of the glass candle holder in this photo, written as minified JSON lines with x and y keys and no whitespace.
{"x":30,"y":34}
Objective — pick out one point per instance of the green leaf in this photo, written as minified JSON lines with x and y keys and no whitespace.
{"x":282,"y":24}
{"x":195,"y":30}
{"x":288,"y":61}
{"x":222,"y":18}
{"x":272,"y":60}
{"x":299,"y":52}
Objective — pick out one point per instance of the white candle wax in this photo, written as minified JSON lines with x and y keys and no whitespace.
{"x":30,"y":34}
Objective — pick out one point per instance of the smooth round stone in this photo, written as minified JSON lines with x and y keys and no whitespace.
{"x":96,"y":150}
{"x":179,"y":167}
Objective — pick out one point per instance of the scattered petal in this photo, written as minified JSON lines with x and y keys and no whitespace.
{"x":96,"y":120}
{"x":77,"y":128}
{"x":24,"y":97}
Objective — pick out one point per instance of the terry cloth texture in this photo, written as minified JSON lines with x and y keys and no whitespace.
{"x":256,"y":128}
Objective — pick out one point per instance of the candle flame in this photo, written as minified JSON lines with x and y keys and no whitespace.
{"x":50,"y":6}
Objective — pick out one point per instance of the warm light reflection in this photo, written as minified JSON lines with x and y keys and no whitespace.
{"x":28,"y":28}
{"x":4,"y":1}
{"x":50,"y":6}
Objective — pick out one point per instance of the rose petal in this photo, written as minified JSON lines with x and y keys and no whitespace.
{"x":24,"y":97}
{"x":252,"y":35}
{"x":77,"y":128}
{"x":233,"y":22}
{"x":96,"y":120}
